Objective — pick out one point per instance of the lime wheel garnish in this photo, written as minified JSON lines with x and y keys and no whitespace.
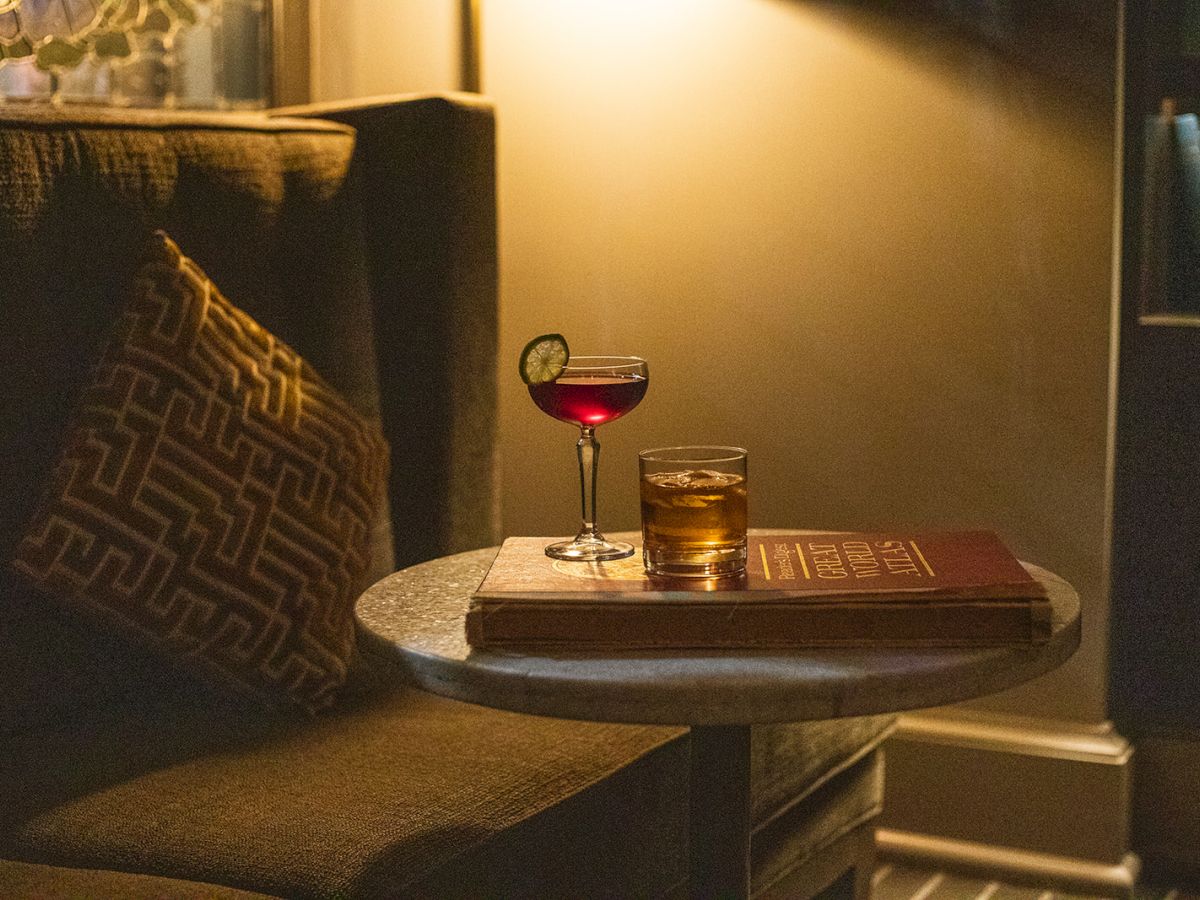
{"x":544,"y":359}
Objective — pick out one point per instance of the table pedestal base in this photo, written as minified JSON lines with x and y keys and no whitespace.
{"x":719,"y":854}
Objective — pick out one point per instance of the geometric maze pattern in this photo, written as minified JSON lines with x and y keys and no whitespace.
{"x":214,"y":497}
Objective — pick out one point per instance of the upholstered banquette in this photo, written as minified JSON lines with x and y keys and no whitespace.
{"x":362,"y":237}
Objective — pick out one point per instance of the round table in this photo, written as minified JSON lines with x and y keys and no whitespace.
{"x":416,"y":615}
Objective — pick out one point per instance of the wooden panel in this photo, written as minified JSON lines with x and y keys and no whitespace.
{"x":1048,"y":788}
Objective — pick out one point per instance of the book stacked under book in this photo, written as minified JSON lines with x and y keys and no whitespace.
{"x":841,"y":589}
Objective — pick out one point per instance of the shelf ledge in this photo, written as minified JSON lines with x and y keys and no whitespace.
{"x":1170,"y":320}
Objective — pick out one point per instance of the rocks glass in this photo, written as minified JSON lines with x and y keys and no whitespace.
{"x":693,"y":511}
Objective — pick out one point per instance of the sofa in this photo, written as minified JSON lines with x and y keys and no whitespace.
{"x":363,"y":235}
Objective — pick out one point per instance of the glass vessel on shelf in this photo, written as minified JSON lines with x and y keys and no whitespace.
{"x":212,"y":54}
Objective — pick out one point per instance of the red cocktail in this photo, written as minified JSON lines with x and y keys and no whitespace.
{"x":588,"y":391}
{"x":589,"y":399}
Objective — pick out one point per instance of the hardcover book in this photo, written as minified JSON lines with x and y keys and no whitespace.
{"x":802,"y":589}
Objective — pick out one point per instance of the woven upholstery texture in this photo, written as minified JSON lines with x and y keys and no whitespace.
{"x":428,"y":173}
{"x":393,"y":792}
{"x":215,"y":496}
{"x":266,"y":206}
{"x":60,"y":883}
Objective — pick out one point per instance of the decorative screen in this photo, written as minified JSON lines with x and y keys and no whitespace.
{"x":173,"y":53}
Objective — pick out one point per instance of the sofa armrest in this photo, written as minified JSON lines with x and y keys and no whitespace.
{"x":426,"y":165}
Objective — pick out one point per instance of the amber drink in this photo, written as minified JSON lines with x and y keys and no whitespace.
{"x":694,"y":511}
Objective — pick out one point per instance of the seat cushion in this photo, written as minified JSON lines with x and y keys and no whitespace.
{"x":19,"y":879}
{"x":215,"y":497}
{"x":393,"y":792}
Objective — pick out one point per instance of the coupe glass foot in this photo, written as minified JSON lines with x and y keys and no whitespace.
{"x":596,"y":550}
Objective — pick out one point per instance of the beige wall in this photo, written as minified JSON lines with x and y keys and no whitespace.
{"x":361,"y":48}
{"x":873,"y":251}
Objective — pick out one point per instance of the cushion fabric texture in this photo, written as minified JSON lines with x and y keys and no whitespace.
{"x":268,"y":207}
{"x":427,"y":169}
{"x":214,"y":497}
{"x":393,"y":792}
{"x":31,"y":880}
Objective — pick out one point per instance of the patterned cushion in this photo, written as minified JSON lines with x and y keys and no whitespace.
{"x":214,"y":496}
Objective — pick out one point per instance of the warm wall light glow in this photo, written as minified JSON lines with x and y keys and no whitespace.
{"x":626,"y":23}
{"x":832,"y":229}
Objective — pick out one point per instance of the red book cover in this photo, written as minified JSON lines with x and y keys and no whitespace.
{"x":878,"y":565}
{"x":800,"y":589}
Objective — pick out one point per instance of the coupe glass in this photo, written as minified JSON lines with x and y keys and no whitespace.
{"x":590,"y":391}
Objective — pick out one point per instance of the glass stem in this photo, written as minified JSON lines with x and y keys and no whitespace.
{"x":588,"y":450}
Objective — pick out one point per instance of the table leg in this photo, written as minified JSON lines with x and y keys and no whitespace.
{"x":719,"y":851}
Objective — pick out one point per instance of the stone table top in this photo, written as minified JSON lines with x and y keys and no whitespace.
{"x":415,"y":617}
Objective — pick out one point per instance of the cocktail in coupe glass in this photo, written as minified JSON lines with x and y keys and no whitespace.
{"x":591,"y":391}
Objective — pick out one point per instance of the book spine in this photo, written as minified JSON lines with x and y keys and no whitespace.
{"x":767,"y":626}
{"x":1187,"y":251}
{"x":1156,"y":218}
{"x":476,"y":634}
